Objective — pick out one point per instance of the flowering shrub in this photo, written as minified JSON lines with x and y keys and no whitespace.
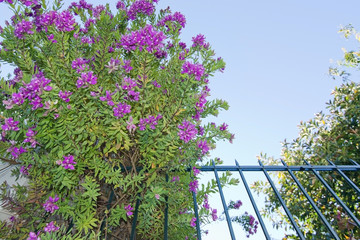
{"x":101,"y":108}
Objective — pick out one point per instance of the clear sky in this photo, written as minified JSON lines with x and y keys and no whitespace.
{"x":277,"y":54}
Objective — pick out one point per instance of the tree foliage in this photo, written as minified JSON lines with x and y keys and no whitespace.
{"x":100,"y":109}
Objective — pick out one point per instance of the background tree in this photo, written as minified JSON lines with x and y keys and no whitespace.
{"x":333,"y":136}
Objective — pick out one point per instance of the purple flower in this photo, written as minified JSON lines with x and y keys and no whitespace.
{"x":206,"y":202}
{"x":193,"y":186}
{"x":199,"y":40}
{"x":127,"y":66}
{"x":34,"y":236}
{"x":108,"y":98}
{"x":51,"y":38}
{"x":238,"y":204}
{"x":120,"y":5}
{"x":86,"y":78}
{"x":113,"y":65}
{"x":65,"y":21}
{"x":65,"y":95}
{"x":10,"y":125}
{"x":50,"y":227}
{"x":214,"y":214}
{"x":223,"y":127}
{"x":80,"y":64}
{"x":187,"y":131}
{"x":130,"y":125}
{"x":196,"y":171}
{"x":175,"y":179}
{"x":128,"y":84}
{"x":8,"y":1}
{"x":151,"y":121}
{"x":182,"y":45}
{"x":140,"y":7}
{"x":193,"y":222}
{"x":31,"y":137}
{"x":146,"y":38}
{"x":128,"y":209}
{"x":24,"y":169}
{"x":191,"y":69}
{"x":203,"y":146}
{"x":68,"y":162}
{"x":171,"y":21}
{"x":28,"y":3}
{"x":156,"y":84}
{"x":50,"y":205}
{"x":23,"y":27}
{"x":121,"y":109}
{"x":16,"y":152}
{"x":157,"y":196}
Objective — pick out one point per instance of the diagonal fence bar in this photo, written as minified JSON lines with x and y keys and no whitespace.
{"x":347,"y":179}
{"x":287,"y":211}
{"x":262,"y":224}
{"x":323,"y":219}
{"x":224,"y":203}
{"x":347,"y":210}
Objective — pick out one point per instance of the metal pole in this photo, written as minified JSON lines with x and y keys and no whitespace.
{"x":224,"y":203}
{"x":357,"y":222}
{"x":327,"y":224}
{"x":253,"y":202}
{"x":288,"y":213}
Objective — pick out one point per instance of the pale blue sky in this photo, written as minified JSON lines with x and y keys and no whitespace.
{"x":277,"y":54}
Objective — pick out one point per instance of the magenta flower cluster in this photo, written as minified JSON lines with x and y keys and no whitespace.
{"x":63,"y":21}
{"x":193,"y":222}
{"x":25,"y":170}
{"x":202,"y":144}
{"x":15,"y":151}
{"x":34,"y":236}
{"x":193,"y":186}
{"x":85,"y":79}
{"x":169,"y":20}
{"x":121,"y":109}
{"x":80,"y":64}
{"x":199,"y":40}
{"x":22,"y":28}
{"x":50,"y":205}
{"x":140,"y":7}
{"x":128,"y":210}
{"x":108,"y":98}
{"x":200,"y":104}
{"x":65,"y":95}
{"x":31,"y":137}
{"x":68,"y":162}
{"x":150,"y":121}
{"x":193,"y":69}
{"x":31,"y":91}
{"x":10,"y":125}
{"x":50,"y":227}
{"x":187,"y":131}
{"x":146,"y":38}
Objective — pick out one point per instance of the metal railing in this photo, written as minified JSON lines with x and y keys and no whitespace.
{"x":315,"y":169}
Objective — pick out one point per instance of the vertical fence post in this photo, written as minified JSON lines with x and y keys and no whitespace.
{"x":323,"y":219}
{"x":133,"y":227}
{"x":198,"y":233}
{"x":262,"y":224}
{"x":166,"y":224}
{"x":343,"y":205}
{"x":288,"y":213}
{"x":224,"y":203}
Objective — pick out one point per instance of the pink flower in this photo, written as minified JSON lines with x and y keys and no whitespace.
{"x":50,"y":205}
{"x":214,"y":214}
{"x":129,"y":209}
{"x":193,"y":222}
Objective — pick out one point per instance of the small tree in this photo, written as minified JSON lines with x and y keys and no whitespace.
{"x":101,"y":108}
{"x":336,"y":137}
